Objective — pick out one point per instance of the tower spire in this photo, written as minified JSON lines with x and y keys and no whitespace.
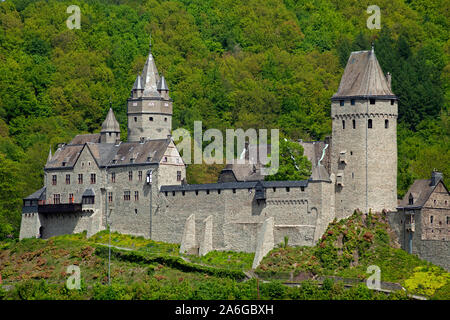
{"x":49,"y":158}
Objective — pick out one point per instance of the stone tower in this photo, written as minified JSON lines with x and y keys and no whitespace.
{"x":364,"y":144}
{"x":110,"y":129}
{"x":149,"y":107}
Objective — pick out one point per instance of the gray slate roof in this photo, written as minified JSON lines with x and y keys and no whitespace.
{"x":110,"y":124}
{"x":363,"y":77}
{"x":162,"y":85}
{"x":37,"y":195}
{"x":110,"y":154}
{"x":421,"y":191}
{"x":84,"y":138}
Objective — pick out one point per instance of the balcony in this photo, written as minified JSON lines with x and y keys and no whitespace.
{"x":60,"y":208}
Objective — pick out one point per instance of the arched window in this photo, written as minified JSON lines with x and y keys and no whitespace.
{"x":354,"y":123}
{"x":386,"y":123}
{"x":369,"y":124}
{"x":343,"y":124}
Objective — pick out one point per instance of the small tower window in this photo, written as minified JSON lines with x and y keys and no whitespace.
{"x":343,"y":124}
{"x":150,"y":118}
{"x":352,"y":102}
{"x":354,"y":123}
{"x":341,"y":102}
{"x":165,"y":119}
{"x":431,"y":219}
{"x":372,"y":101}
{"x":392,"y":102}
{"x":369,"y":124}
{"x":135,"y":119}
{"x":386,"y":123}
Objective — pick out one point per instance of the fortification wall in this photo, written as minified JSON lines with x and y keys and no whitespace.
{"x":237,"y":216}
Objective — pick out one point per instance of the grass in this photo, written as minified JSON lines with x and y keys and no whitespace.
{"x":348,"y":248}
{"x":225,"y":259}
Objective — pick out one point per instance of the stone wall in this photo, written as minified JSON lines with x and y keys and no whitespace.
{"x":237,"y":216}
{"x":364,"y":159}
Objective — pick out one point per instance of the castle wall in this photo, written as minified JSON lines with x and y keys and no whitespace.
{"x":237,"y":217}
{"x":29,"y":225}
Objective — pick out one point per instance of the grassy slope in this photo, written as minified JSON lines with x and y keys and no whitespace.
{"x":154,"y":270}
{"x":349,"y":247}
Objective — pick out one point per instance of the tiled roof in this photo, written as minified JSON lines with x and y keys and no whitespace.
{"x":421,"y":191}
{"x":363,"y":77}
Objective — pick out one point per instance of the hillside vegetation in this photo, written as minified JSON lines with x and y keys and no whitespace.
{"x":348,"y":248}
{"x":231,"y":64}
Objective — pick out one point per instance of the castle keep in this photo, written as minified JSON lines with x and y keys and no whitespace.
{"x":138,"y":186}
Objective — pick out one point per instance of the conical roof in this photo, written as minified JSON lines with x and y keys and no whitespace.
{"x":49,"y":158}
{"x":110,"y":124}
{"x":150,"y":77}
{"x":363,"y":77}
{"x":138,"y":83}
{"x":162,"y":85}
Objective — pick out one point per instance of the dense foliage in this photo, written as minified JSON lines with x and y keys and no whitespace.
{"x":348,"y":247}
{"x":249,"y":64}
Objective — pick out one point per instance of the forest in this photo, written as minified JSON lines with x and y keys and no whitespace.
{"x":229,"y":63}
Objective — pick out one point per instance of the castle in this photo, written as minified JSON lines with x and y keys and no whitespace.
{"x":137,"y":186}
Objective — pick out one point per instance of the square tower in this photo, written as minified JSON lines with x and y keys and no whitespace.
{"x":364,"y":146}
{"x":149,"y":107}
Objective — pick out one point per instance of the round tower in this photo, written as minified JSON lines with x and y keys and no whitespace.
{"x":149,"y":106}
{"x":364,"y":144}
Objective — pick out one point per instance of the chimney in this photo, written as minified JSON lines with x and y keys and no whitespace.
{"x":388,"y":78}
{"x":436,"y":177}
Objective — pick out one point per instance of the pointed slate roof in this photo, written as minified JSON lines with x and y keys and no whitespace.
{"x":49,"y":158}
{"x":138,"y":83}
{"x":150,"y":76}
{"x":162,"y":85}
{"x":110,"y":124}
{"x":364,"y":78}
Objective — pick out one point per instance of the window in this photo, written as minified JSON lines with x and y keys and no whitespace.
{"x":392,"y":102}
{"x":110,"y":134}
{"x":448,"y":220}
{"x":411,"y":199}
{"x":136,"y":196}
{"x":80,"y":178}
{"x":70,"y":197}
{"x":302,"y":188}
{"x":353,"y":175}
{"x":110,"y":196}
{"x":341,"y":103}
{"x":218,"y":191}
{"x":130,"y":175}
{"x":234,"y":190}
{"x":178,"y":175}
{"x":288,"y":189}
{"x":140,"y":175}
{"x":343,"y":124}
{"x":369,"y":124}
{"x":88,"y":200}
{"x":354,"y":123}
{"x":126,"y":195}
{"x":173,"y":193}
{"x":207,"y":191}
{"x":67,"y":178}
{"x":196,"y":192}
{"x":352,"y":102}
{"x":431,"y":219}
{"x":386,"y":123}
{"x":92,"y":178}
{"x":372,"y":101}
{"x":57,"y":198}
{"x":165,"y":119}
{"x":150,"y":118}
{"x":54,"y":179}
{"x":135,"y":119}
{"x":165,"y":159}
{"x":113,"y":177}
